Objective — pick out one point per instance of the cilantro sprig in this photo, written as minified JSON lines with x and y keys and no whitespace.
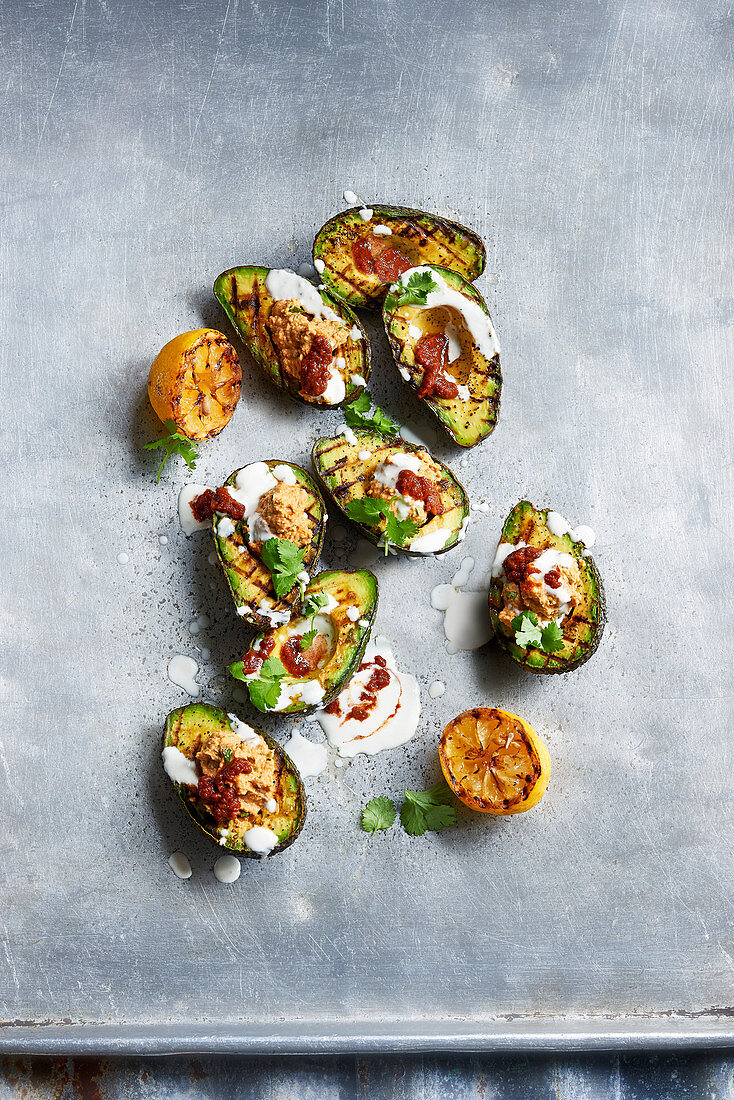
{"x":174,"y":443}
{"x":421,"y":812}
{"x":416,"y":290}
{"x":370,"y":511}
{"x":285,"y":561}
{"x":313,"y":603}
{"x":427,"y":811}
{"x":308,"y":638}
{"x":358,"y":415}
{"x":378,"y":814}
{"x":528,"y":632}
{"x":265,"y":688}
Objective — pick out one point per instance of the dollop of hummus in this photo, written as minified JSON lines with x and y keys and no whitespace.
{"x":292,"y":331}
{"x":253,"y":789}
{"x":285,"y":511}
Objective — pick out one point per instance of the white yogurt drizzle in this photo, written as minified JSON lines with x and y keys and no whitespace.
{"x":260,"y":840}
{"x":181,"y":671}
{"x":393,"y":720}
{"x":251,"y":483}
{"x":243,"y":731}
{"x":178,"y":767}
{"x":476,"y":320}
{"x":349,"y":435}
{"x":282,"y":284}
{"x":559,"y":527}
{"x":358,"y":380}
{"x":310,"y":759}
{"x":381,"y":230}
{"x":466,"y":622}
{"x":366,"y":214}
{"x":187,"y":519}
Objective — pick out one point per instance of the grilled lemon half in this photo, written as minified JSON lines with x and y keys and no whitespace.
{"x":195,"y":381}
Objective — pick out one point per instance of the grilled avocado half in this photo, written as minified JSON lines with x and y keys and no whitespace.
{"x":187,"y":729}
{"x":345,"y":466}
{"x":339,"y":609}
{"x":472,"y":415}
{"x":245,"y":298}
{"x":360,"y":259}
{"x":249,"y":579}
{"x":583,"y":628}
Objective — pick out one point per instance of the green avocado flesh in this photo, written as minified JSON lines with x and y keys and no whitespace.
{"x":346,"y":477}
{"x":186,"y":729}
{"x":420,"y":237}
{"x":245,"y":298}
{"x":470,"y":419}
{"x":583,"y":628}
{"x":346,"y":636}
{"x":249,"y":579}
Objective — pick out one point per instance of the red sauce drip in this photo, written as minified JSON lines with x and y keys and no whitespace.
{"x":391,"y":264}
{"x":432,"y":353}
{"x":553,"y":578}
{"x":379,"y":679}
{"x":315,"y":367}
{"x":216,"y":500}
{"x":362,"y":256}
{"x":420,"y":488}
{"x":518,"y":565}
{"x":217,"y":791}
{"x":333,"y":707}
{"x":387,"y":264}
{"x":253,"y":659}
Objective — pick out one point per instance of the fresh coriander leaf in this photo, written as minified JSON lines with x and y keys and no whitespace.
{"x":307,"y":639}
{"x":427,"y":810}
{"x":527,"y":631}
{"x":285,"y":561}
{"x":264,"y":694}
{"x":313,"y":603}
{"x":551,"y":639}
{"x":398,"y":531}
{"x":368,"y":510}
{"x":174,"y":443}
{"x":357,"y":415}
{"x":416,"y":290}
{"x":227,"y":754}
{"x":272,"y":669}
{"x":379,"y":813}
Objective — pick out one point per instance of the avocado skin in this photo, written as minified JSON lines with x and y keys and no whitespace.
{"x":340,"y":232}
{"x":521,"y":520}
{"x":242,"y":293}
{"x":211,"y":717}
{"x":368,"y":610}
{"x":235,"y":581}
{"x":371,"y":441}
{"x":468,"y":433}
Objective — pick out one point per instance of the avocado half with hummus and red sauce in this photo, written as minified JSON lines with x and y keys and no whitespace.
{"x":308,"y":342}
{"x":546,"y":599}
{"x":446,"y":350}
{"x":261,"y":501}
{"x":361,"y":251}
{"x":235,"y":781}
{"x":304,"y":664}
{"x":396,"y":493}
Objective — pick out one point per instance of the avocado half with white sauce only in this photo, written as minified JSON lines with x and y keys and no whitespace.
{"x":446,"y":350}
{"x":361,"y":251}
{"x":304,"y":664}
{"x":260,"y":485}
{"x":305,"y":340}
{"x":546,"y":599}
{"x":237,"y":784}
{"x":396,"y":493}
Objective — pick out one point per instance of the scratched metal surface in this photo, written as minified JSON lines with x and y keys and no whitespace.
{"x":146,"y":148}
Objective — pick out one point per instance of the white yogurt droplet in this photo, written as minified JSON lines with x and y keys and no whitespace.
{"x":180,"y":865}
{"x":212,"y":557}
{"x":351,"y":198}
{"x":436,"y":689}
{"x":227,"y":869}
{"x":310,"y":759}
{"x":366,"y":214}
{"x":320,"y":266}
{"x":187,"y":519}
{"x":476,"y":320}
{"x":364,"y":455}
{"x":123,"y":559}
{"x":355,"y":333}
{"x":381,"y":230}
{"x":181,"y":672}
{"x":358,"y":380}
{"x":271,"y":805}
{"x":349,"y":435}
{"x":163,"y":540}
{"x":205,"y":654}
{"x":466,"y":621}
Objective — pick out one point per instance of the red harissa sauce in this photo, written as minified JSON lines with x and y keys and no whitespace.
{"x":432,"y":353}
{"x":387,"y":264}
{"x":420,"y":488}
{"x":216,"y":500}
{"x":315,"y":367}
{"x":217,"y":791}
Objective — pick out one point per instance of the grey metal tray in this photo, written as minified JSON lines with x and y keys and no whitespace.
{"x":145,"y":151}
